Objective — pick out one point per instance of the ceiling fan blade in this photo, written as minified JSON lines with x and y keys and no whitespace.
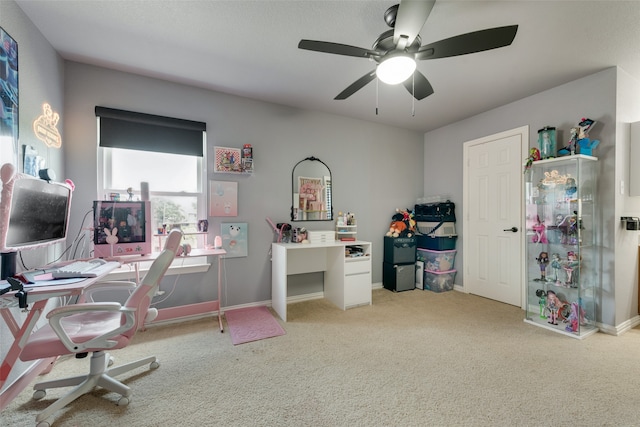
{"x":337,"y":48}
{"x":477,"y":41}
{"x":357,"y":85}
{"x":418,"y":86}
{"x":410,"y":19}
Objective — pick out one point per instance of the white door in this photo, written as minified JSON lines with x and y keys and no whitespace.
{"x":493,"y":242}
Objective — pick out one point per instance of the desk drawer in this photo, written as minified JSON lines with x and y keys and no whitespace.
{"x":357,"y":267}
{"x":357,"y":290}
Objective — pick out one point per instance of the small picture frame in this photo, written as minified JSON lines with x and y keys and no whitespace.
{"x":235,"y":239}
{"x":227,"y":159}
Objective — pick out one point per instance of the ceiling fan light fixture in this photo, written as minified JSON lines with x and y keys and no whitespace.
{"x":396,"y":69}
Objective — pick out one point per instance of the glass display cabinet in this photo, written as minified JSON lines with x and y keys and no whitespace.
{"x":563,"y":273}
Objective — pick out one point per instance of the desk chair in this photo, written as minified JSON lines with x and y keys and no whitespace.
{"x":97,"y":327}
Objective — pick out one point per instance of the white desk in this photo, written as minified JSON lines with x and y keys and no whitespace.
{"x":37,"y":297}
{"x":347,"y":281}
{"x":172,"y":313}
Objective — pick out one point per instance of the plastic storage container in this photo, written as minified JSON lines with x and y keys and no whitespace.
{"x":437,"y":260}
{"x":439,"y":281}
{"x":437,"y":228}
{"x":436,"y":243}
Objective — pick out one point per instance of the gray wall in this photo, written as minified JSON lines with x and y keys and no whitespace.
{"x":608,"y":97}
{"x":40,"y":80}
{"x":375,"y":168}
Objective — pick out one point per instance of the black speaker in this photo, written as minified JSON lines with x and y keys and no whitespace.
{"x":399,"y":277}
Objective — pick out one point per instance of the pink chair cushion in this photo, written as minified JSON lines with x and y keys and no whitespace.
{"x":44,"y":342}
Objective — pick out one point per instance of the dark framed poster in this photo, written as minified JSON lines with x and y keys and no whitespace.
{"x":8,"y":99}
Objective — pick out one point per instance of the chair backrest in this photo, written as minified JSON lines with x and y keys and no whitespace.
{"x":140,"y":299}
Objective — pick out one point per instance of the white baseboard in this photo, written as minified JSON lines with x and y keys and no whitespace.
{"x":606,"y":329}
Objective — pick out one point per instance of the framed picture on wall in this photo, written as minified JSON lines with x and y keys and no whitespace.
{"x":223,"y":198}
{"x":227,"y":159}
{"x":8,"y":99}
{"x":235,"y":239}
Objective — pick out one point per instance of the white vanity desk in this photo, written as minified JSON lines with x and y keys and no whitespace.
{"x":347,"y":280}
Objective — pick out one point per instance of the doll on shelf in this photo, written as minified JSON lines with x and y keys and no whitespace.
{"x":556,"y":265}
{"x":571,"y":188}
{"x":542,"y":302}
{"x":539,"y":228}
{"x":543,"y":262}
{"x":553,"y":305}
{"x":570,"y":266}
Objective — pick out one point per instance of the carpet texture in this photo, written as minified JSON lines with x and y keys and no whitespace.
{"x":252,"y":324}
{"x":412,"y":359}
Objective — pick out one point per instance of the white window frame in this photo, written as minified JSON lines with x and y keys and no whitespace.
{"x":105,"y":169}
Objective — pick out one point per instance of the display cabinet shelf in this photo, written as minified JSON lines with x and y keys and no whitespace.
{"x":563,"y":261}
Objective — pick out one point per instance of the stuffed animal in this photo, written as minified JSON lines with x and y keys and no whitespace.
{"x":402,"y":224}
{"x":397,"y":228}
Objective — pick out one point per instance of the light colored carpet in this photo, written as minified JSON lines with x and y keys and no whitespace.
{"x":413,"y":358}
{"x":252,"y":324}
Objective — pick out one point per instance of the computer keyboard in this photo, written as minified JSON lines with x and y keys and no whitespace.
{"x":79,"y":269}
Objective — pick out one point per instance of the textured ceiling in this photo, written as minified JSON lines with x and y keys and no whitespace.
{"x":249,"y":48}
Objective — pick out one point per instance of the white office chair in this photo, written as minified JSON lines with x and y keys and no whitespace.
{"x":97,"y":327}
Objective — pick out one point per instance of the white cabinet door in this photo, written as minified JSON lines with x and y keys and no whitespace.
{"x":357,"y":289}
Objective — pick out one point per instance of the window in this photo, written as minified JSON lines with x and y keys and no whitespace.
{"x":173,"y":167}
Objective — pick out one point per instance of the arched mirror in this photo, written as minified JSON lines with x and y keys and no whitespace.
{"x":311,"y":190}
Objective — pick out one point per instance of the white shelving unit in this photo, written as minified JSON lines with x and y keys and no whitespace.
{"x":346,"y":231}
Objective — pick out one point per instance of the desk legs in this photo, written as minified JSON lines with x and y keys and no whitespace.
{"x":220,"y":313}
{"x":21,"y":335}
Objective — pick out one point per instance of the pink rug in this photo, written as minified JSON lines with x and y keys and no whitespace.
{"x":252,"y":324}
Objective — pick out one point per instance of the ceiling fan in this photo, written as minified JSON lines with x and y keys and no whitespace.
{"x":397,"y":50}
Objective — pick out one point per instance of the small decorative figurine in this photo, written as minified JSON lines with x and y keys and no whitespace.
{"x":553,"y":305}
{"x":130,"y":193}
{"x":543,"y":262}
{"x":580,"y":138}
{"x":556,"y":265}
{"x":542,"y":302}
{"x":571,"y":188}
{"x":572,"y":325}
{"x":547,"y":142}
{"x":540,"y":235}
{"x":534,"y":155}
{"x":570,"y":268}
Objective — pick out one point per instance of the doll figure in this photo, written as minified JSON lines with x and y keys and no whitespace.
{"x":571,"y":188}
{"x":542,"y":302}
{"x":539,"y":228}
{"x":553,"y":305}
{"x":556,"y":264}
{"x":570,"y":268}
{"x":572,"y":325}
{"x":543,"y":262}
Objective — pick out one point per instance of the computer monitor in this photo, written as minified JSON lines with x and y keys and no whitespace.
{"x":121,"y":228}
{"x":33,"y":213}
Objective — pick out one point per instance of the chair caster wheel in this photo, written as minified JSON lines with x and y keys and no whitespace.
{"x":43,"y":424}
{"x":39,"y":394}
{"x":154,"y":365}
{"x":111,"y":361}
{"x":124,"y":401}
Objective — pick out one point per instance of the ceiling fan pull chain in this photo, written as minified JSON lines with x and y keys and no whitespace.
{"x":376,"y":97}
{"x":413,"y":97}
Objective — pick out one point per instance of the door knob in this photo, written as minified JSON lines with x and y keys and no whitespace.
{"x":512,"y":229}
